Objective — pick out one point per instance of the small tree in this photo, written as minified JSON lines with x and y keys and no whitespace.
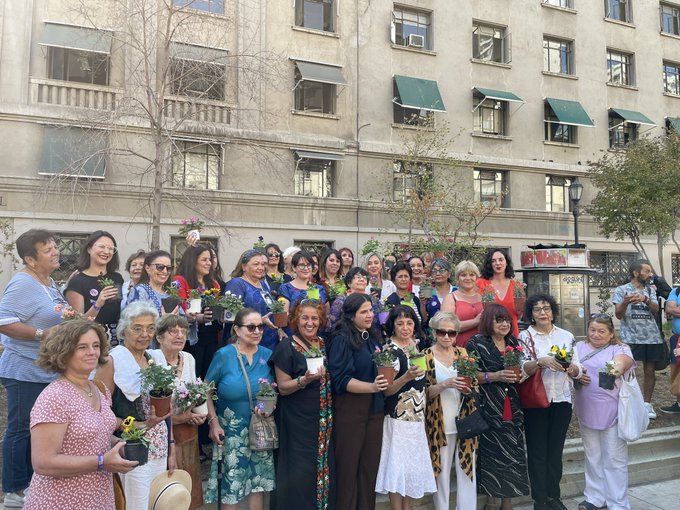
{"x":7,"y":244}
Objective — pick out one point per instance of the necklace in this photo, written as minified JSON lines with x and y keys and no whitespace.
{"x":87,"y":391}
{"x":39,"y":278}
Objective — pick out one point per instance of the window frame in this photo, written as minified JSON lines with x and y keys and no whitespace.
{"x":550,"y":132}
{"x":198,"y":5}
{"x":500,"y":183}
{"x":564,"y":4}
{"x":676,"y":66}
{"x":327,"y":92}
{"x":69,"y":244}
{"x":178,"y":74}
{"x":627,"y":63}
{"x":623,"y":133}
{"x":547,"y":40}
{"x":482,"y":104}
{"x":58,"y":56}
{"x":327,"y":173}
{"x":505,"y":53}
{"x":191,"y":147}
{"x":400,"y":173}
{"x":615,"y":5}
{"x":674,"y":15}
{"x":327,"y":25}
{"x":412,"y":116}
{"x":400,"y":40}
{"x":553,"y":187}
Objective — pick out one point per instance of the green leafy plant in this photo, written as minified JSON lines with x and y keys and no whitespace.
{"x":173,"y":291}
{"x":370,"y":246}
{"x":259,"y":244}
{"x":157,"y":379}
{"x":189,"y":224}
{"x":313,"y":352}
{"x":488,"y":294}
{"x":276,"y":278}
{"x":512,"y":356}
{"x":132,"y":433}
{"x":609,"y":368}
{"x":385,"y":357}
{"x":104,"y":282}
{"x":466,"y":365}
{"x":193,"y":393}
{"x":266,"y":389}
{"x":561,"y":354}
{"x":277,"y":307}
{"x":231,"y":302}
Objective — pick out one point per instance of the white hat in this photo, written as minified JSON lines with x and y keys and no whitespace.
{"x":291,"y":250}
{"x":171,"y":492}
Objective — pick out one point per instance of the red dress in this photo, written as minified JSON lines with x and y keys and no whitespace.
{"x":466,"y":311}
{"x":508,"y":301}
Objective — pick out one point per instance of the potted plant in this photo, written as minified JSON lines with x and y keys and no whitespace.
{"x":419,"y":359}
{"x":213,"y":300}
{"x":191,"y":226}
{"x":426,"y":288}
{"x":439,"y":247}
{"x":279,"y":316}
{"x":335,"y":290}
{"x":266,"y":396}
{"x":174,"y":298}
{"x":195,"y":300}
{"x":159,"y":381}
{"x":67,"y":313}
{"x":383,"y":311}
{"x":277,"y":278}
{"x":562,"y":355}
{"x":607,"y":376}
{"x":259,"y":244}
{"x":314,"y":358}
{"x":313,"y":291}
{"x":136,"y":441}
{"x":384,"y":361}
{"x":512,"y":359}
{"x":231,"y":304}
{"x":488,"y":295}
{"x":103,"y":282}
{"x":194,"y":395}
{"x":408,"y":300}
{"x":370,"y":246}
{"x":519,"y":293}
{"x":467,"y":368}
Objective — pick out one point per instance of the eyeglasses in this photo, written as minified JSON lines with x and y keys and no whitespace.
{"x":162,"y":267}
{"x":138,"y":330}
{"x":359,"y":276}
{"x":306,"y":301}
{"x":501,"y":320}
{"x":303,"y":266}
{"x":103,"y":247}
{"x":446,"y":332}
{"x":253,"y":327}
{"x":273,"y":255}
{"x":544,"y":309}
{"x":176,"y":332}
{"x":438,"y":271}
{"x":601,"y":316}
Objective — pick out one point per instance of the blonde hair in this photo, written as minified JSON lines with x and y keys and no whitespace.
{"x":466,"y":266}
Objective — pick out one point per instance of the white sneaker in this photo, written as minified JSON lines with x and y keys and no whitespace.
{"x":650,"y":411}
{"x":13,"y":500}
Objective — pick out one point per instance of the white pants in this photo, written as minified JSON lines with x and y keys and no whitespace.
{"x":606,"y":468}
{"x":137,"y":483}
{"x":466,"y":489}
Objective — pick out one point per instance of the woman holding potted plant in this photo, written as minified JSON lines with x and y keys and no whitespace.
{"x":450,"y":374}
{"x":134,"y":266}
{"x":347,"y":257}
{"x":377,"y":287}
{"x":276,"y":275}
{"x":418,"y":273}
{"x":153,"y":282}
{"x":497,"y":279}
{"x":401,"y":277}
{"x":236,"y":371}
{"x":356,"y":281}
{"x":440,"y":274}
{"x":72,"y":423}
{"x":305,"y":415}
{"x":465,"y":302}
{"x":502,"y":469}
{"x":329,"y":275}
{"x":405,"y":469}
{"x":546,"y":428}
{"x":171,"y":333}
{"x":597,"y":412}
{"x":302,"y":285}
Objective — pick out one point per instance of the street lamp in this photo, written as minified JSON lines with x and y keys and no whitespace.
{"x":575,"y":194}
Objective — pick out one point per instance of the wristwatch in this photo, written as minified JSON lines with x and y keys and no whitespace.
{"x":39,"y":333}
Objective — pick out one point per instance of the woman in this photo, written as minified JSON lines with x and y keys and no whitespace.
{"x":356,"y":281}
{"x":134,"y":266}
{"x":418,"y":272}
{"x":305,"y":415}
{"x":502,"y":469}
{"x":294,"y":291}
{"x":400,"y":275}
{"x":288,"y":260}
{"x":427,"y":257}
{"x":248,"y":281}
{"x":465,"y":302}
{"x":444,"y":389}
{"x":380,"y":288}
{"x":98,"y":261}
{"x":597,"y":412}
{"x":171,"y":333}
{"x":347,"y":256}
{"x":315,"y":267}
{"x":195,"y":271}
{"x":29,"y":310}
{"x":497,"y":276}
{"x":330,"y":277}
{"x":546,"y":429}
{"x":218,"y":274}
{"x":358,"y":404}
{"x":440,"y":273}
{"x":120,"y":374}
{"x":275,"y":268}
{"x":247,"y":474}
{"x":405,"y":471}
{"x":72,"y":423}
{"x":153,"y":282}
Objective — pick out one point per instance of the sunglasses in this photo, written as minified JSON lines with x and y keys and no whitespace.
{"x":306,"y":301}
{"x":501,"y":320}
{"x":253,"y":327}
{"x":451,"y":333}
{"x":162,"y":267}
{"x":273,"y":255}
{"x":601,"y":316}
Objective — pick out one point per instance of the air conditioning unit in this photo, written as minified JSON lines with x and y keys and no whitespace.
{"x":416,"y":41}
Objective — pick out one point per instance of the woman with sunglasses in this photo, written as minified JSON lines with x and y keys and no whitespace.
{"x":153,"y":282}
{"x":294,"y":291}
{"x":249,"y":474}
{"x":88,"y":293}
{"x":597,"y":412}
{"x":445,"y":393}
{"x":501,"y":465}
{"x":347,"y":257}
{"x":275,"y":271}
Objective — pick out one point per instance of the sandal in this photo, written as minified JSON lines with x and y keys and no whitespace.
{"x":585,"y":505}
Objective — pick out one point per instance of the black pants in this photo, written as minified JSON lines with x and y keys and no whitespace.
{"x":546,"y":430}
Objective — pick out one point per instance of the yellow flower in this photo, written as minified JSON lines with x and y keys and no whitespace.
{"x":563,"y":353}
{"x":127,"y":423}
{"x":553,"y":348}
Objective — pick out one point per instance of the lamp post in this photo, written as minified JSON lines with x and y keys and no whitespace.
{"x":575,"y":194}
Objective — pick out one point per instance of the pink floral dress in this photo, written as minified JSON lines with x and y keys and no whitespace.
{"x":88,"y":432}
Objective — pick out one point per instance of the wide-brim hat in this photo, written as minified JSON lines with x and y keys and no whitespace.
{"x":170,"y":492}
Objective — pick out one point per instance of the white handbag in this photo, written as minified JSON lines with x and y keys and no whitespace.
{"x":633,"y":415}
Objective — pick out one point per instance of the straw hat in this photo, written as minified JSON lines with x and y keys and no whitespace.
{"x":171,"y":492}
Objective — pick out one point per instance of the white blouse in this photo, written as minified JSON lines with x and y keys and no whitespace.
{"x":450,"y":397}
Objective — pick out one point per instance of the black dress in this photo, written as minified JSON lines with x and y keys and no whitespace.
{"x":501,"y":461}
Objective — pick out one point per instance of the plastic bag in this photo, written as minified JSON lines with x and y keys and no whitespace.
{"x":633,"y":415}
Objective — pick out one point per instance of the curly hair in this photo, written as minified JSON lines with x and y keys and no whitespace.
{"x":534,"y":299}
{"x":487,"y":267}
{"x":58,"y":348}
{"x":296,"y":312}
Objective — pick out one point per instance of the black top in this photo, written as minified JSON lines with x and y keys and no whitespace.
{"x":409,"y":402}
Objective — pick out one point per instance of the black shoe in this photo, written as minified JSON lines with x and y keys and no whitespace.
{"x":540,"y":506}
{"x":556,"y":504}
{"x":674,"y":409}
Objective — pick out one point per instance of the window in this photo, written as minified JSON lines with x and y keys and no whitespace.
{"x":214,"y":6}
{"x":409,"y":180}
{"x":314,"y":177}
{"x":618,"y":9}
{"x":196,"y":165}
{"x":490,"y":187}
{"x":620,"y":68}
{"x":671,"y":78}
{"x":315,"y":14}
{"x":670,"y":19}
{"x":204,"y":80}
{"x":313,"y":96}
{"x":557,"y":193}
{"x":614,"y":267}
{"x":556,"y":131}
{"x":675,"y":269}
{"x":69,"y":245}
{"x":490,"y":43}
{"x":621,"y":132}
{"x":73,"y":152}
{"x":488,"y":115}
{"x":559,"y":3}
{"x":411,"y":28}
{"x":79,"y":66}
{"x":317,"y":247}
{"x":557,"y":56}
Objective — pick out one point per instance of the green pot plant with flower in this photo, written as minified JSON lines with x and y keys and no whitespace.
{"x":314,"y":358}
{"x":266,"y":396}
{"x":194,"y":395}
{"x":370,"y":246}
{"x":136,"y":441}
{"x":384,"y":361}
{"x":418,"y":359}
{"x":191,"y":226}
{"x":313,"y":291}
{"x":426,"y":288}
{"x":279,"y":316}
{"x":195,"y":299}
{"x":103,"y":282}
{"x":174,"y":298}
{"x":607,"y":375}
{"x":562,"y":355}
{"x":159,"y":382}
{"x":231,"y":304}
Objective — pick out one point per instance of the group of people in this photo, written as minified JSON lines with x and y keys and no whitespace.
{"x":345,"y":432}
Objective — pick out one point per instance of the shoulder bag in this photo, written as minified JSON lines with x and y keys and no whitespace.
{"x":474,"y":423}
{"x":262,"y":433}
{"x":532,"y":393}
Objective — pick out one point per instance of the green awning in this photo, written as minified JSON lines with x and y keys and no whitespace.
{"x":197,"y":53}
{"x":418,"y":93}
{"x":319,"y":155}
{"x":674,"y":124}
{"x":632,"y":116}
{"x":498,"y":95}
{"x":569,"y":112}
{"x":73,"y":152}
{"x":77,"y":38}
{"x":320,"y":72}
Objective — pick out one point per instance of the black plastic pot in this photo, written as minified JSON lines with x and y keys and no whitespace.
{"x":170,"y":303}
{"x":136,"y":451}
{"x":217,"y":312}
{"x":606,"y":381}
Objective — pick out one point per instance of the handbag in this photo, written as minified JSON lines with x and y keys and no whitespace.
{"x":666,"y":359}
{"x":474,"y":423}
{"x":532,"y":393}
{"x":262,"y":432}
{"x":633,"y":415}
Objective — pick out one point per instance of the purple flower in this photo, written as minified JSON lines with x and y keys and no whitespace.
{"x":260,"y":238}
{"x":184,"y":222}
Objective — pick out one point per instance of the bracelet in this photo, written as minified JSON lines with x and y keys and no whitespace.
{"x":211,"y":419}
{"x":486,"y":378}
{"x":95,"y":307}
{"x":100,"y":462}
{"x":299,"y":383}
{"x":171,"y":441}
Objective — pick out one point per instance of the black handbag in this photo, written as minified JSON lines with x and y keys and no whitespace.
{"x":473,"y":424}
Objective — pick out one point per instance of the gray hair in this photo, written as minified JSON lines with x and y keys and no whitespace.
{"x":133,"y":311}
{"x":441,"y":317}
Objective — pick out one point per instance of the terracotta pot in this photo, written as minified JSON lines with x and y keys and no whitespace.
{"x":136,"y":451}
{"x":280,"y":320}
{"x":439,"y":254}
{"x":606,"y":381}
{"x":419,"y":361}
{"x":517,"y":371}
{"x":388,"y":372}
{"x":314,"y":364}
{"x":266,"y":404}
{"x":468,"y":381}
{"x":161,"y":404}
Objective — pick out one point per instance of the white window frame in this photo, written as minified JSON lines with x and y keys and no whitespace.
{"x":556,"y":185}
{"x":548,"y":50}
{"x":487,"y":110}
{"x":626,"y":61}
{"x":612,"y":5}
{"x":326,"y":25}
{"x":669,"y":11}
{"x":499,"y":179}
{"x":675,"y":88}
{"x":304,"y":181}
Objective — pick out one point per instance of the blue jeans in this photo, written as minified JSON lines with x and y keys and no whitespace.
{"x":16,"y":447}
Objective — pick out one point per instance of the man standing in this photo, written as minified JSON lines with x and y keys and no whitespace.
{"x":635,"y":305}
{"x":673,"y":312}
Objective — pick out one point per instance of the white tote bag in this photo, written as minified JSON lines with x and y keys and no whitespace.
{"x":633,"y":416}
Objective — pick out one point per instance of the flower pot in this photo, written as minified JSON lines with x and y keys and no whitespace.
{"x":229,"y":316}
{"x":419,"y":361}
{"x":266,"y":404}
{"x":468,"y":382}
{"x":382,"y":317}
{"x":519,"y":305}
{"x":217,"y":312}
{"x":136,"y":451}
{"x":119,"y":291}
{"x":427,"y":291}
{"x":313,"y":293}
{"x":440,"y":254}
{"x":194,"y":306}
{"x":170,"y":303}
{"x":194,"y":234}
{"x":314,"y":364}
{"x":161,"y":404}
{"x":517,"y":371}
{"x":606,"y":381}
{"x":201,"y":408}
{"x":280,"y":320}
{"x":388,"y":372}
{"x":563,"y":363}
